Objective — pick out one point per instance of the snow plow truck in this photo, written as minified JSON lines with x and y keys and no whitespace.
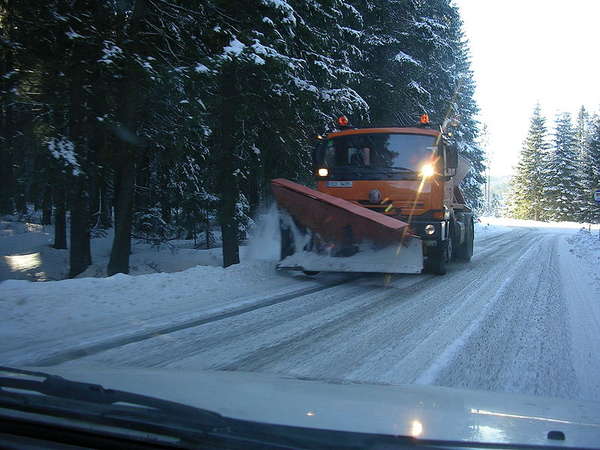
{"x":387,"y":200}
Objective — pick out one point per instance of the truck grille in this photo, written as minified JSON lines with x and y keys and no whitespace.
{"x":401,"y":205}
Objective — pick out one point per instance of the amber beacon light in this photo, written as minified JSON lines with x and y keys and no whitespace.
{"x":342,"y":121}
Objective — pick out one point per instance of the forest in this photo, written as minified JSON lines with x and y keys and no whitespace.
{"x":559,"y":169}
{"x":168,"y":118}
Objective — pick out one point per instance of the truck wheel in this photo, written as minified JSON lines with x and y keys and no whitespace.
{"x":436,"y":263}
{"x":287,"y":241}
{"x":438,"y":258}
{"x":465,"y":251}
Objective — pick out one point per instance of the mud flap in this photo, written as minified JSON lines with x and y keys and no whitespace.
{"x":400,"y":258}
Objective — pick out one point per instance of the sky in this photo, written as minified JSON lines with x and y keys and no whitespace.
{"x":524,"y":51}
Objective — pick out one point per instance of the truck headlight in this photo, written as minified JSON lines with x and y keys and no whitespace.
{"x":429,"y":229}
{"x":323,"y":172}
{"x":427,"y":170}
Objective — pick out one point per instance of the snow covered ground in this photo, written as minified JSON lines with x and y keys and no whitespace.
{"x":26,"y":253}
{"x":523,"y":316}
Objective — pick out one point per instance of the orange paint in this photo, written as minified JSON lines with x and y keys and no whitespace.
{"x":403,"y":195}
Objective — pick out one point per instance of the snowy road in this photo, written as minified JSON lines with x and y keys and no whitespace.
{"x":516,"y":319}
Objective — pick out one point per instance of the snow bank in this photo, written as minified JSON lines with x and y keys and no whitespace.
{"x":40,"y":318}
{"x":487,"y":227}
{"x":508,"y":222}
{"x":26,"y":253}
{"x":45,"y":318}
{"x":585,"y":245}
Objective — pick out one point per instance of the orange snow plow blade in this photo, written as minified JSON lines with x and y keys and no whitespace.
{"x":329,"y":215}
{"x":391,"y":247}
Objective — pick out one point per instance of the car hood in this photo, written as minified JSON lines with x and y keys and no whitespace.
{"x":427,"y":412}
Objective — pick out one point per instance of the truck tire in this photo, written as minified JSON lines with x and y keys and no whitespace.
{"x":465,"y":251}
{"x":439,"y":257}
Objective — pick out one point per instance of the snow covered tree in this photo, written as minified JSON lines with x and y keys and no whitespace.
{"x":526,"y":199}
{"x":417,"y":61}
{"x":588,"y":160}
{"x":561,"y":183}
{"x":183,"y":112}
{"x":591,"y":172}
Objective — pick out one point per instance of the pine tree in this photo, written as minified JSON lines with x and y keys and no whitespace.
{"x":182,"y":112}
{"x":418,"y":61}
{"x":561,"y":184}
{"x":581,"y":143}
{"x":588,"y":146}
{"x":526,"y":201}
{"x":591,"y":171}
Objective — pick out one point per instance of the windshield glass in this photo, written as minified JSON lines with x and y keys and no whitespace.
{"x":379,"y":150}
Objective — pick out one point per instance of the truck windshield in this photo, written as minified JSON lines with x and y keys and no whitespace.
{"x":379,"y":150}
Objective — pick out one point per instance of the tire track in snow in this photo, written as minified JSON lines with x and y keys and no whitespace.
{"x":400,"y":310}
{"x":286,"y":340}
{"x":119,"y":341}
{"x":522,"y":341}
{"x":359,"y":331}
{"x":430,"y":375}
{"x":240,"y":330}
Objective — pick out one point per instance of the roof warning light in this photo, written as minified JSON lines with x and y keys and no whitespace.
{"x":342,"y":121}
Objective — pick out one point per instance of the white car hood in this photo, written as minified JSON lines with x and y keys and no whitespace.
{"x":427,"y":412}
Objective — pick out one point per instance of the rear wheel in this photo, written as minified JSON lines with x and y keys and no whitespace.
{"x":465,"y":251}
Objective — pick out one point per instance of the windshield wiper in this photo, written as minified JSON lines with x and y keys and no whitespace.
{"x":20,"y":389}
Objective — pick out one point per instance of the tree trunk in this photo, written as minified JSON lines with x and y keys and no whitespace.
{"x":121,"y":248}
{"x":60,"y":222}
{"x":231,"y":250}
{"x":79,"y":201}
{"x":21,"y":204}
{"x":47,"y":206}
{"x":79,"y":251}
{"x":129,"y":144}
{"x":105,"y":205}
{"x":229,"y":225}
{"x":227,"y":182}
{"x":207,"y":224}
{"x":7,"y":128}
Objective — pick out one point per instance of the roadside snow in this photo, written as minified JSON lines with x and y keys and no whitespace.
{"x":508,"y":222}
{"x":585,"y":246}
{"x":43,"y":318}
{"x":26,"y":253}
{"x":487,"y":227}
{"x":579,"y":261}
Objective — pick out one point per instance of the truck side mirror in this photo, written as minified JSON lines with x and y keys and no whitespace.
{"x":451,"y":157}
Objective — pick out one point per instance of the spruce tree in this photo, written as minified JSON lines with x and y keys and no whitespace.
{"x":591,"y":171}
{"x":526,"y":201}
{"x":561,"y":183}
{"x":588,"y":142}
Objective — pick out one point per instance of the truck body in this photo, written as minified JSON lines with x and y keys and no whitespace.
{"x":409,"y":175}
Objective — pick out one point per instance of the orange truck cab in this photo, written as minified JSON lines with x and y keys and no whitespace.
{"x":411,"y":174}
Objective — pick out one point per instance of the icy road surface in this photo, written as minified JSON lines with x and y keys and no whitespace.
{"x":523,"y":316}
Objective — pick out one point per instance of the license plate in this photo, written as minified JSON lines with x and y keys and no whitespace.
{"x":339,"y":184}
